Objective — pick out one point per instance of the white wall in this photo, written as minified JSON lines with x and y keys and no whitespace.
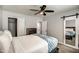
{"x":0,"y":18}
{"x":20,"y":21}
{"x":31,"y":21}
{"x":23,"y":21}
{"x":56,"y":24}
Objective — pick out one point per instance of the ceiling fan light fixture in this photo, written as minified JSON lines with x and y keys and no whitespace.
{"x":42,"y":10}
{"x":41,"y":13}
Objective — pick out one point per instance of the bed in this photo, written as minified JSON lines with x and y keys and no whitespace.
{"x":52,"y":42}
{"x":27,"y":44}
{"x":30,"y":44}
{"x":34,"y":44}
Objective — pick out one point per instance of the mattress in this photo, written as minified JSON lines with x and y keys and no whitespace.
{"x":29,"y":44}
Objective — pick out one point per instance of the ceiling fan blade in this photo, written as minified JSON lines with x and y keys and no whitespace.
{"x":38,"y":12}
{"x":34,"y":10}
{"x":49,"y":10}
{"x":43,"y":7}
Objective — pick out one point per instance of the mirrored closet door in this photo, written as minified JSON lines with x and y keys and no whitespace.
{"x":71,"y":32}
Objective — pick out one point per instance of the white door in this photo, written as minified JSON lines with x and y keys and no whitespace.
{"x":44,"y":27}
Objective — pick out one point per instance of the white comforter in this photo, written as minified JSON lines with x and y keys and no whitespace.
{"x":30,"y":44}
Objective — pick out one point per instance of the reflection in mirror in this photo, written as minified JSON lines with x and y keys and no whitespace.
{"x":70,"y":32}
{"x":78,"y":40}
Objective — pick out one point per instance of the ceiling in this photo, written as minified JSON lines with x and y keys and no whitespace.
{"x":25,"y":8}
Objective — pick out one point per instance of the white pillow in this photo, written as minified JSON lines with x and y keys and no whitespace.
{"x":8,"y":33}
{"x":5,"y":42}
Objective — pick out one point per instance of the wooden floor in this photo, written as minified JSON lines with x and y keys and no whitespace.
{"x":66,"y":49}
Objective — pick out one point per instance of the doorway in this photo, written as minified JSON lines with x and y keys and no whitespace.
{"x":42,"y":27}
{"x":12,"y":26}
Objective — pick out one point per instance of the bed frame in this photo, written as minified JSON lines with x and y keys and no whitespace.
{"x":31,"y":31}
{"x":56,"y":50}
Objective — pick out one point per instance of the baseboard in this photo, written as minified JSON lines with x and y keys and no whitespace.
{"x":60,"y":42}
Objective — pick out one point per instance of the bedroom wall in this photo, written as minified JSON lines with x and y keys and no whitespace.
{"x":0,"y":18}
{"x":31,"y":21}
{"x":56,"y":24}
{"x":24,"y":21}
{"x":20,"y":21}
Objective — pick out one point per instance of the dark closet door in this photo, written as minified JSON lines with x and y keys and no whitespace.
{"x":12,"y":26}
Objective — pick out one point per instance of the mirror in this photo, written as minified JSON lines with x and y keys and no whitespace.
{"x":70,"y":32}
{"x":78,"y":41}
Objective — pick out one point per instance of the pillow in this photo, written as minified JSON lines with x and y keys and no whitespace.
{"x":5,"y":41}
{"x":8,"y":33}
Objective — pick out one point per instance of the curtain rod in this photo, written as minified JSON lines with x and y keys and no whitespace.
{"x":71,"y":15}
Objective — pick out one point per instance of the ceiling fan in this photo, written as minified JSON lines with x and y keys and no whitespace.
{"x":42,"y":10}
